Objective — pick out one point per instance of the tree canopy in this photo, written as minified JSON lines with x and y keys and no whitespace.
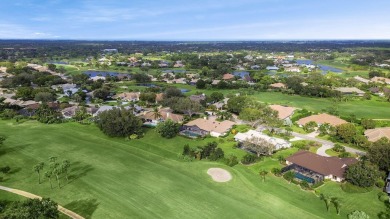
{"x":379,"y":154}
{"x":30,"y":208}
{"x":118,"y":122}
{"x":363,"y":174}
{"x":168,"y":129}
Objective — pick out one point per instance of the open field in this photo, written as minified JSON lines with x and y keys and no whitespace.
{"x":375,"y":108}
{"x":114,"y":178}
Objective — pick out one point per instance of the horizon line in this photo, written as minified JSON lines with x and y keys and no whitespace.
{"x":189,"y":40}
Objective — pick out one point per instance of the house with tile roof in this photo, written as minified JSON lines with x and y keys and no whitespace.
{"x":374,"y":135}
{"x":314,"y":168}
{"x":322,"y":119}
{"x":203,"y":127}
{"x":381,"y":80}
{"x":227,"y":77}
{"x":150,"y":118}
{"x":128,"y":96}
{"x":277,"y":86}
{"x":284,"y":113}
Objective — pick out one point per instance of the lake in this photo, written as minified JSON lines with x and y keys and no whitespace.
{"x":104,"y":73}
{"x":323,"y":68}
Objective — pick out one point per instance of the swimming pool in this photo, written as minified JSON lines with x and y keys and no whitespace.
{"x":302,"y":177}
{"x":190,"y":134}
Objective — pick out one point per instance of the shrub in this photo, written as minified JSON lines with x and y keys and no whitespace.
{"x":281,"y":159}
{"x":231,"y":161}
{"x":303,"y":145}
{"x":133,"y":136}
{"x":382,"y":196}
{"x":380,"y":183}
{"x":304,"y":185}
{"x":345,"y":154}
{"x":276,"y":171}
{"x":248,"y":159}
{"x":358,"y":215}
{"x":186,"y":150}
{"x":289,"y":176}
{"x":217,"y":154}
{"x":338,"y":148}
{"x":310,"y":126}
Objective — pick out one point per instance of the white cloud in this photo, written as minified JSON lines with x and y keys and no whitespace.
{"x":15,"y":31}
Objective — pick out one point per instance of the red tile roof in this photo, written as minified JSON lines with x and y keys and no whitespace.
{"x":321,"y":119}
{"x":324,"y":165}
{"x":228,"y":77}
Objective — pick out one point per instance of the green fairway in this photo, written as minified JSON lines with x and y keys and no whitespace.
{"x":114,"y":178}
{"x":10,"y":196}
{"x":375,"y":108}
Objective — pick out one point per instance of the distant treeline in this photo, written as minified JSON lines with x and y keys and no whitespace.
{"x":13,"y":49}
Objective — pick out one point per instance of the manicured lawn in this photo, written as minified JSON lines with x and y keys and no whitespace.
{"x":375,"y":108}
{"x":10,"y":196}
{"x":352,"y":200}
{"x":114,"y":178}
{"x":332,"y":153}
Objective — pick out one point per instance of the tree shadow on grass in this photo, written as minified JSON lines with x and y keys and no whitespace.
{"x":14,"y":170}
{"x":85,"y":207}
{"x":78,"y":170}
{"x":4,"y":149}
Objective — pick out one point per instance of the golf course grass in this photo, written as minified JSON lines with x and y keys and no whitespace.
{"x":144,"y":178}
{"x":376,"y":108}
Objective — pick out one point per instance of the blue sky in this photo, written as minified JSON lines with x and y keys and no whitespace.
{"x":195,"y":20}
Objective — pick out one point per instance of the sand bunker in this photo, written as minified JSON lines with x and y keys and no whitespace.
{"x":219,"y":175}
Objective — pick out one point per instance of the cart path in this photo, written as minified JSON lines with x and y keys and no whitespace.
{"x":65,"y":211}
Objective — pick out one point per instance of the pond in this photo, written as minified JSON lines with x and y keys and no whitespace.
{"x":174,"y":71}
{"x":147,"y":85}
{"x":104,"y":73}
{"x":323,"y":68}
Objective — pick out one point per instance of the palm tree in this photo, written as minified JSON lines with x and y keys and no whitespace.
{"x":57,"y":171}
{"x":49,"y":174}
{"x":38,"y":168}
{"x":65,"y":167}
{"x":337,"y":204}
{"x":327,"y":200}
{"x":198,"y":153}
{"x":263,"y":173}
{"x":156,"y":113}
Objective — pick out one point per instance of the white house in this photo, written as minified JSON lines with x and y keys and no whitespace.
{"x":247,"y":136}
